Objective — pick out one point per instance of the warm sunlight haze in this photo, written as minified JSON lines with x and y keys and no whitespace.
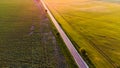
{"x":59,"y":33}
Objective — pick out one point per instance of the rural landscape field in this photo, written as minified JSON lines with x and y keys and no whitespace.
{"x":93,"y":25}
{"x":28,"y":39}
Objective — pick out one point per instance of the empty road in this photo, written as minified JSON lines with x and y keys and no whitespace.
{"x":78,"y":59}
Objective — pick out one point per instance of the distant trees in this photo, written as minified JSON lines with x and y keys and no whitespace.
{"x":83,"y":52}
{"x":57,"y":34}
{"x":45,"y":10}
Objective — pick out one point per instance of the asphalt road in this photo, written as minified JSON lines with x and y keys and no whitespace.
{"x":78,"y":59}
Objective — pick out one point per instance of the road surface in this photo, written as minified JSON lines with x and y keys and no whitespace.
{"x":78,"y":59}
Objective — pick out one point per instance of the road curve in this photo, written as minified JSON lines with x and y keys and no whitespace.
{"x":78,"y":59}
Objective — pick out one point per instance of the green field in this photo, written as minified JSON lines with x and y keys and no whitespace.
{"x":94,"y":25}
{"x":27,"y":40}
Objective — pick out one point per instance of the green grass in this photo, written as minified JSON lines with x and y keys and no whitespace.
{"x":19,"y":49}
{"x":93,"y":25}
